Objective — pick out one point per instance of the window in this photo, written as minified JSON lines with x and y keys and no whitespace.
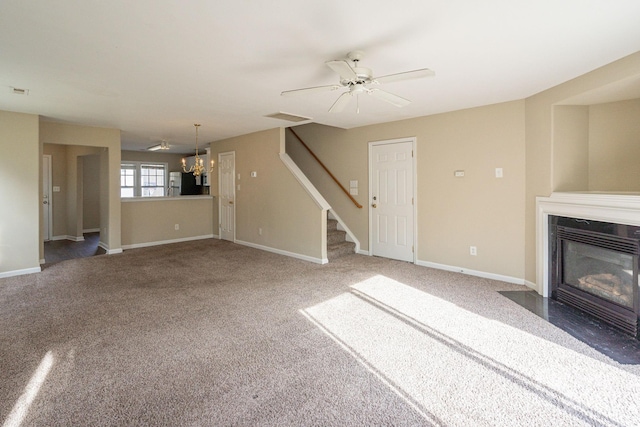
{"x":143,"y":179}
{"x":127,"y":180}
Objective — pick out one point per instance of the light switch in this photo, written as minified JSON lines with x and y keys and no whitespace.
{"x":56,"y":188}
{"x":499,"y":173}
{"x":458,"y":174}
{"x":353,"y":184}
{"x":254,"y":174}
{"x":353,"y":191}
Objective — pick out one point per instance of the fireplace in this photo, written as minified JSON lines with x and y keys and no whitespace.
{"x":594,"y":267}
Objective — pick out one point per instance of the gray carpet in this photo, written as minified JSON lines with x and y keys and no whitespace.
{"x":213,"y":333}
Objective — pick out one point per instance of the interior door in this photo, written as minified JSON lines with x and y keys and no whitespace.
{"x":391,"y":208}
{"x":227,"y":194}
{"x":46,"y":197}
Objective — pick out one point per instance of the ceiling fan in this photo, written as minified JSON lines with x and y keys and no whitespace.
{"x":358,"y":80}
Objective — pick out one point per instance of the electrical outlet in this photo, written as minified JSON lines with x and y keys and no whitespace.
{"x":473,"y":250}
{"x":260,"y":231}
{"x":177,"y":226}
{"x":499,"y":173}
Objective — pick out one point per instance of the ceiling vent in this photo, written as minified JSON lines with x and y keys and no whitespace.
{"x":288,"y":117}
{"x":18,"y":91}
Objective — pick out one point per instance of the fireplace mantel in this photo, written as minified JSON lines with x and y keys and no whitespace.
{"x":620,"y":208}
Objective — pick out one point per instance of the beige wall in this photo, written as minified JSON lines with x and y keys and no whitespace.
{"x":274,"y":200}
{"x":153,"y":220}
{"x":614,"y":146}
{"x":570,"y":148}
{"x":540,"y":136}
{"x":452,"y":213}
{"x":20,"y":197}
{"x":108,"y":140}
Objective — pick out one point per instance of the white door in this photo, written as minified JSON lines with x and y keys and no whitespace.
{"x":391,"y":207}
{"x":46,"y":197}
{"x":227,"y":187}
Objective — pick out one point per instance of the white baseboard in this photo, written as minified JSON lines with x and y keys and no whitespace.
{"x":363,"y":252}
{"x":285,"y":253}
{"x":166,"y":242}
{"x":20,"y":272}
{"x":532,"y":285}
{"x":109,"y":251}
{"x":91,"y":230}
{"x":67,"y":237}
{"x":483,"y":274}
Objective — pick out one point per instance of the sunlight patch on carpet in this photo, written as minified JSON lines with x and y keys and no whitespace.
{"x":444,"y":358}
{"x":21,"y":408}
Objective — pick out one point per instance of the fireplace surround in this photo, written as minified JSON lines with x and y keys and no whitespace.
{"x":587,"y":253}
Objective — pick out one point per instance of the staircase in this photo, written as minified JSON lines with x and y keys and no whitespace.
{"x":337,"y":246}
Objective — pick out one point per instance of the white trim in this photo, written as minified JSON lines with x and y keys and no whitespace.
{"x":531,"y":285}
{"x":304,"y":181}
{"x":621,"y":208}
{"x":363,"y":252}
{"x":414,"y":148}
{"x":164,"y":199}
{"x":167,"y":242}
{"x":68,"y":237}
{"x":285,"y":253}
{"x":91,"y":230}
{"x":20,"y":272}
{"x":109,"y":251}
{"x":483,"y":274}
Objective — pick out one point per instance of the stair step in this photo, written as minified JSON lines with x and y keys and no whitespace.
{"x":335,"y":236}
{"x":332,"y":224}
{"x":337,"y":250}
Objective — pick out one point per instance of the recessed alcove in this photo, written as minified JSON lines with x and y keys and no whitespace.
{"x":596,"y":139}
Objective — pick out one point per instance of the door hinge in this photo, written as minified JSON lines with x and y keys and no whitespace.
{"x":411,"y":153}
{"x":411,"y":248}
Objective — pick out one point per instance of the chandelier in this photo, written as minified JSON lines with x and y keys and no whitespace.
{"x":198,"y":167}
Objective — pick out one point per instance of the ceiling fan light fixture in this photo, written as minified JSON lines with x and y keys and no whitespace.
{"x":355,"y":79}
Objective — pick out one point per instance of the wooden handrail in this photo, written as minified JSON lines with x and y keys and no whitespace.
{"x":355,"y":202}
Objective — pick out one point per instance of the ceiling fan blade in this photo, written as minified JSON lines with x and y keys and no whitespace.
{"x":343,"y":68}
{"x":396,"y":100}
{"x":307,"y":90}
{"x":407,"y":75}
{"x":340,"y":103}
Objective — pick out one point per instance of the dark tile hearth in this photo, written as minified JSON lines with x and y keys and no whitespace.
{"x":606,"y":339}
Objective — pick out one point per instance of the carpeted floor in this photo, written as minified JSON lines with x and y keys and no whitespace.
{"x":213,"y":333}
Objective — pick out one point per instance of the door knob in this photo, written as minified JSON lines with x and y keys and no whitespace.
{"x":373,"y":205}
{"x":45,"y":203}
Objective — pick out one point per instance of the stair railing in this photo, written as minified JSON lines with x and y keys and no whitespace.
{"x":355,"y":202}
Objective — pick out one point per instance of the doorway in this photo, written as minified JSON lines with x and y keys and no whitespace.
{"x":392,"y":199}
{"x":227,"y":192}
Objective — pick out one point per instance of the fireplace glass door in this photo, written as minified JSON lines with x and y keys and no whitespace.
{"x":601,"y":272}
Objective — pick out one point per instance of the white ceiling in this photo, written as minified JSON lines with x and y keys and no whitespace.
{"x":152,"y":68}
